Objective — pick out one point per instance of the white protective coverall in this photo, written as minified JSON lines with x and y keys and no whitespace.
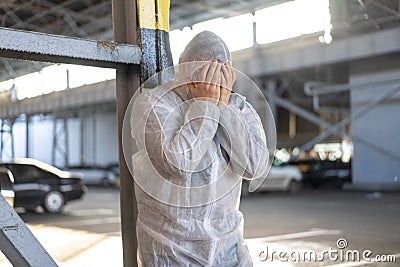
{"x":192,"y":143}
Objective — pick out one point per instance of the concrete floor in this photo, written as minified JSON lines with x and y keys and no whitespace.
{"x":315,"y":220}
{"x":88,"y":232}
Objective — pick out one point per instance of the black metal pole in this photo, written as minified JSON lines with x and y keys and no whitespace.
{"x":135,"y":25}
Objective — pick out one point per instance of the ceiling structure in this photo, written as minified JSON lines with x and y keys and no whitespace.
{"x":92,"y":18}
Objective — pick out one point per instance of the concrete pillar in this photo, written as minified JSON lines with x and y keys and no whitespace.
{"x":376,"y":162}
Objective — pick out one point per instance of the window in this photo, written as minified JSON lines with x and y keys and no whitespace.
{"x":24,"y":173}
{"x":5,"y":181}
{"x":292,"y":19}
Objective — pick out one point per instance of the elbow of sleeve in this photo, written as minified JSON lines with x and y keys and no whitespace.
{"x":173,"y":165}
{"x":262,"y":168}
{"x":258,"y":168}
{"x":183,"y":162}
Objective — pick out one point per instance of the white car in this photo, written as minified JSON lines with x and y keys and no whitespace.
{"x":280,"y":178}
{"x":93,"y":175}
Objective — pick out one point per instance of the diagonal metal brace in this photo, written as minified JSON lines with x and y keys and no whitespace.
{"x":18,"y":243}
{"x":356,"y":115}
{"x":311,"y":117}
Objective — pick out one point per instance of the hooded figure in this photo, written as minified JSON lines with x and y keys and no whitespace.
{"x":196,"y":140}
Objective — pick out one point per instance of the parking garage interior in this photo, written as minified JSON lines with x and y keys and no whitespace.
{"x":329,"y":71}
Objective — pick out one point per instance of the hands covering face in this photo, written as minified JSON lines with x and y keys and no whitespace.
{"x":213,"y":82}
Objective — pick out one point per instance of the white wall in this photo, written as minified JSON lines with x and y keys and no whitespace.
{"x":376,"y":158}
{"x":100,"y":147}
{"x":107,"y":138}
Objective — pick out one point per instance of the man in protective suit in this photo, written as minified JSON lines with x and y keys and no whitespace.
{"x":199,"y":139}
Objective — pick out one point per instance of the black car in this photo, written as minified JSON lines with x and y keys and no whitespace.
{"x":39,"y":184}
{"x":7,"y":185}
{"x":324,"y":172}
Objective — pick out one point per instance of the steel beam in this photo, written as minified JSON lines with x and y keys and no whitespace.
{"x":75,"y":98}
{"x":18,"y":243}
{"x":74,"y":26}
{"x":386,"y":8}
{"x":17,"y":19}
{"x":33,"y":46}
{"x":290,"y":55}
{"x":127,"y":81}
{"x":361,"y":112}
{"x":236,"y":7}
{"x":305,"y":114}
{"x":60,"y":9}
{"x":9,"y":68}
{"x":315,"y":119}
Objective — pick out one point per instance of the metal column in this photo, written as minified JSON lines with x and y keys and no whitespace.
{"x":127,"y":81}
{"x":145,"y":24}
{"x":12,"y":138}
{"x":82,"y":157}
{"x":255,"y":44}
{"x":27,"y":154}
{"x":60,"y":142}
{"x":6,"y":139}
{"x":153,"y":17}
{"x":94,"y":137}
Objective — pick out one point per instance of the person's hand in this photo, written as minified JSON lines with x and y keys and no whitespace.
{"x":207,"y":84}
{"x":227,"y":80}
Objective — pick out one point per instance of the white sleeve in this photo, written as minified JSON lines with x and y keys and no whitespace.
{"x":178,"y":142}
{"x":242,"y":136}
